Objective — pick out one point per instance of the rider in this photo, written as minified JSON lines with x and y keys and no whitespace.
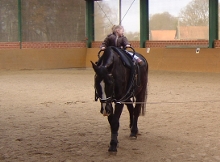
{"x":117,"y":39}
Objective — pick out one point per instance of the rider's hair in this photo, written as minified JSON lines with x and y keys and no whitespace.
{"x":113,"y":28}
{"x":117,"y":27}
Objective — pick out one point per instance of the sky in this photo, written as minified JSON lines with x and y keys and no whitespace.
{"x":131,"y":16}
{"x":171,"y":6}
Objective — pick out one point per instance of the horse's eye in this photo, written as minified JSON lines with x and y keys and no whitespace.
{"x":97,"y":86}
{"x":109,"y":81}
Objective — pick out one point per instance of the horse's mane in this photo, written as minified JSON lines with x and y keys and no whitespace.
{"x":107,"y":58}
{"x":121,"y":74}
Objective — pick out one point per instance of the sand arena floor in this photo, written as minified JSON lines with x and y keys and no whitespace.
{"x":51,"y":116}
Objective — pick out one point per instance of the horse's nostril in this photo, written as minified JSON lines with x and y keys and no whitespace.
{"x":108,"y":111}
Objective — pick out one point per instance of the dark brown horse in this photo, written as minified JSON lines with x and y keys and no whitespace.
{"x":120,"y":81}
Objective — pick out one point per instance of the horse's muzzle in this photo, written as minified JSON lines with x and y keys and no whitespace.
{"x":106,"y":109}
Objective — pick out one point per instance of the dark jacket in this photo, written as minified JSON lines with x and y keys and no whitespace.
{"x":110,"y":40}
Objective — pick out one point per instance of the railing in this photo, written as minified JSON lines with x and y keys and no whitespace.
{"x":97,"y":44}
{"x":177,"y":44}
{"x":39,"y":45}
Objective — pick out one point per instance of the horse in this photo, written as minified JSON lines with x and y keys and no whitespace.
{"x":120,"y":81}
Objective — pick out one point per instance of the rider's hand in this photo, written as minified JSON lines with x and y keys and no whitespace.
{"x":102,"y":48}
{"x":128,"y":45}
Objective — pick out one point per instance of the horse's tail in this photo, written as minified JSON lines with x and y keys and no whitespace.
{"x":143,"y":105}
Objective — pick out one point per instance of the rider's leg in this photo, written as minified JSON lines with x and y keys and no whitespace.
{"x":136,"y":58}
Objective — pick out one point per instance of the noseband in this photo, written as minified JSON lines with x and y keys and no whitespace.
{"x":107,"y":100}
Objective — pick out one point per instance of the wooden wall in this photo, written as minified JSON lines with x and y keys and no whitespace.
{"x":42,"y":58}
{"x":167,"y":59}
{"x":76,"y":55}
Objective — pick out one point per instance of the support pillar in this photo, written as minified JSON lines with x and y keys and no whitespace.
{"x":144,"y":22}
{"x":90,"y":22}
{"x":19,"y":24}
{"x":213,"y":22}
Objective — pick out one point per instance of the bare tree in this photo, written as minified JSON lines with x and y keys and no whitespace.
{"x":105,"y":17}
{"x":196,"y":13}
{"x":8,"y":20}
{"x":133,"y":36}
{"x":162,"y":21}
{"x":53,"y":20}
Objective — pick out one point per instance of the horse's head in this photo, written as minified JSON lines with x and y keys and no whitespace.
{"x":104,"y":87}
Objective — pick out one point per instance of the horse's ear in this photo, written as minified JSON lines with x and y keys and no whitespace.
{"x":94,"y":66}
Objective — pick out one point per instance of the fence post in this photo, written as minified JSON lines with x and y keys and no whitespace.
{"x":89,"y":22}
{"x":19,"y":24}
{"x":213,"y":22}
{"x":144,"y":22}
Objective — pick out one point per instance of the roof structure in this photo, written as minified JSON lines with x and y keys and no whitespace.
{"x":162,"y":34}
{"x":182,"y":33}
{"x":192,"y":32}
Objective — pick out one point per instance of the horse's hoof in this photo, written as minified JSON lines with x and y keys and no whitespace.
{"x":133,"y":136}
{"x":113,"y":146}
{"x":112,"y":149}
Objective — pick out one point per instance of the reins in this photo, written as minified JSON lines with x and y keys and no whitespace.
{"x":171,"y":102}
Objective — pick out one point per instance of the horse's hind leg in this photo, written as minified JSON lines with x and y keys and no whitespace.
{"x":131,"y":112}
{"x":114,"y":123}
{"x":134,"y":128}
{"x":140,"y":100}
{"x":136,"y":112}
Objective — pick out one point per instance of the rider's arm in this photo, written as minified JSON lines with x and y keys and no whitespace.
{"x":126,"y":44}
{"x":106,"y":42}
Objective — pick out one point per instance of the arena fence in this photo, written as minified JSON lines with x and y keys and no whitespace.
{"x":161,"y":55}
{"x":96,"y":44}
{"x":40,"y":45}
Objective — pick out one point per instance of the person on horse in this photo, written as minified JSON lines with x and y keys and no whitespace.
{"x":118,"y":39}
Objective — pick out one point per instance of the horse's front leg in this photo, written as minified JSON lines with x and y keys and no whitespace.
{"x":114,"y":124}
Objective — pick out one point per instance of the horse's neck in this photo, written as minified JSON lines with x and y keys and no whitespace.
{"x":117,"y":68}
{"x":107,"y":59}
{"x":119,"y":71}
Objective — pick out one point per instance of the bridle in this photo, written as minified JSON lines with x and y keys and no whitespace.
{"x":109,"y":99}
{"x":112,"y":98}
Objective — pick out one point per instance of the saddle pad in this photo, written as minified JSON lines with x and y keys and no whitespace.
{"x":126,"y":58}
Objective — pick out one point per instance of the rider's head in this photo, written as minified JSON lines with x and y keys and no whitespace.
{"x":118,"y":30}
{"x":113,"y":28}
